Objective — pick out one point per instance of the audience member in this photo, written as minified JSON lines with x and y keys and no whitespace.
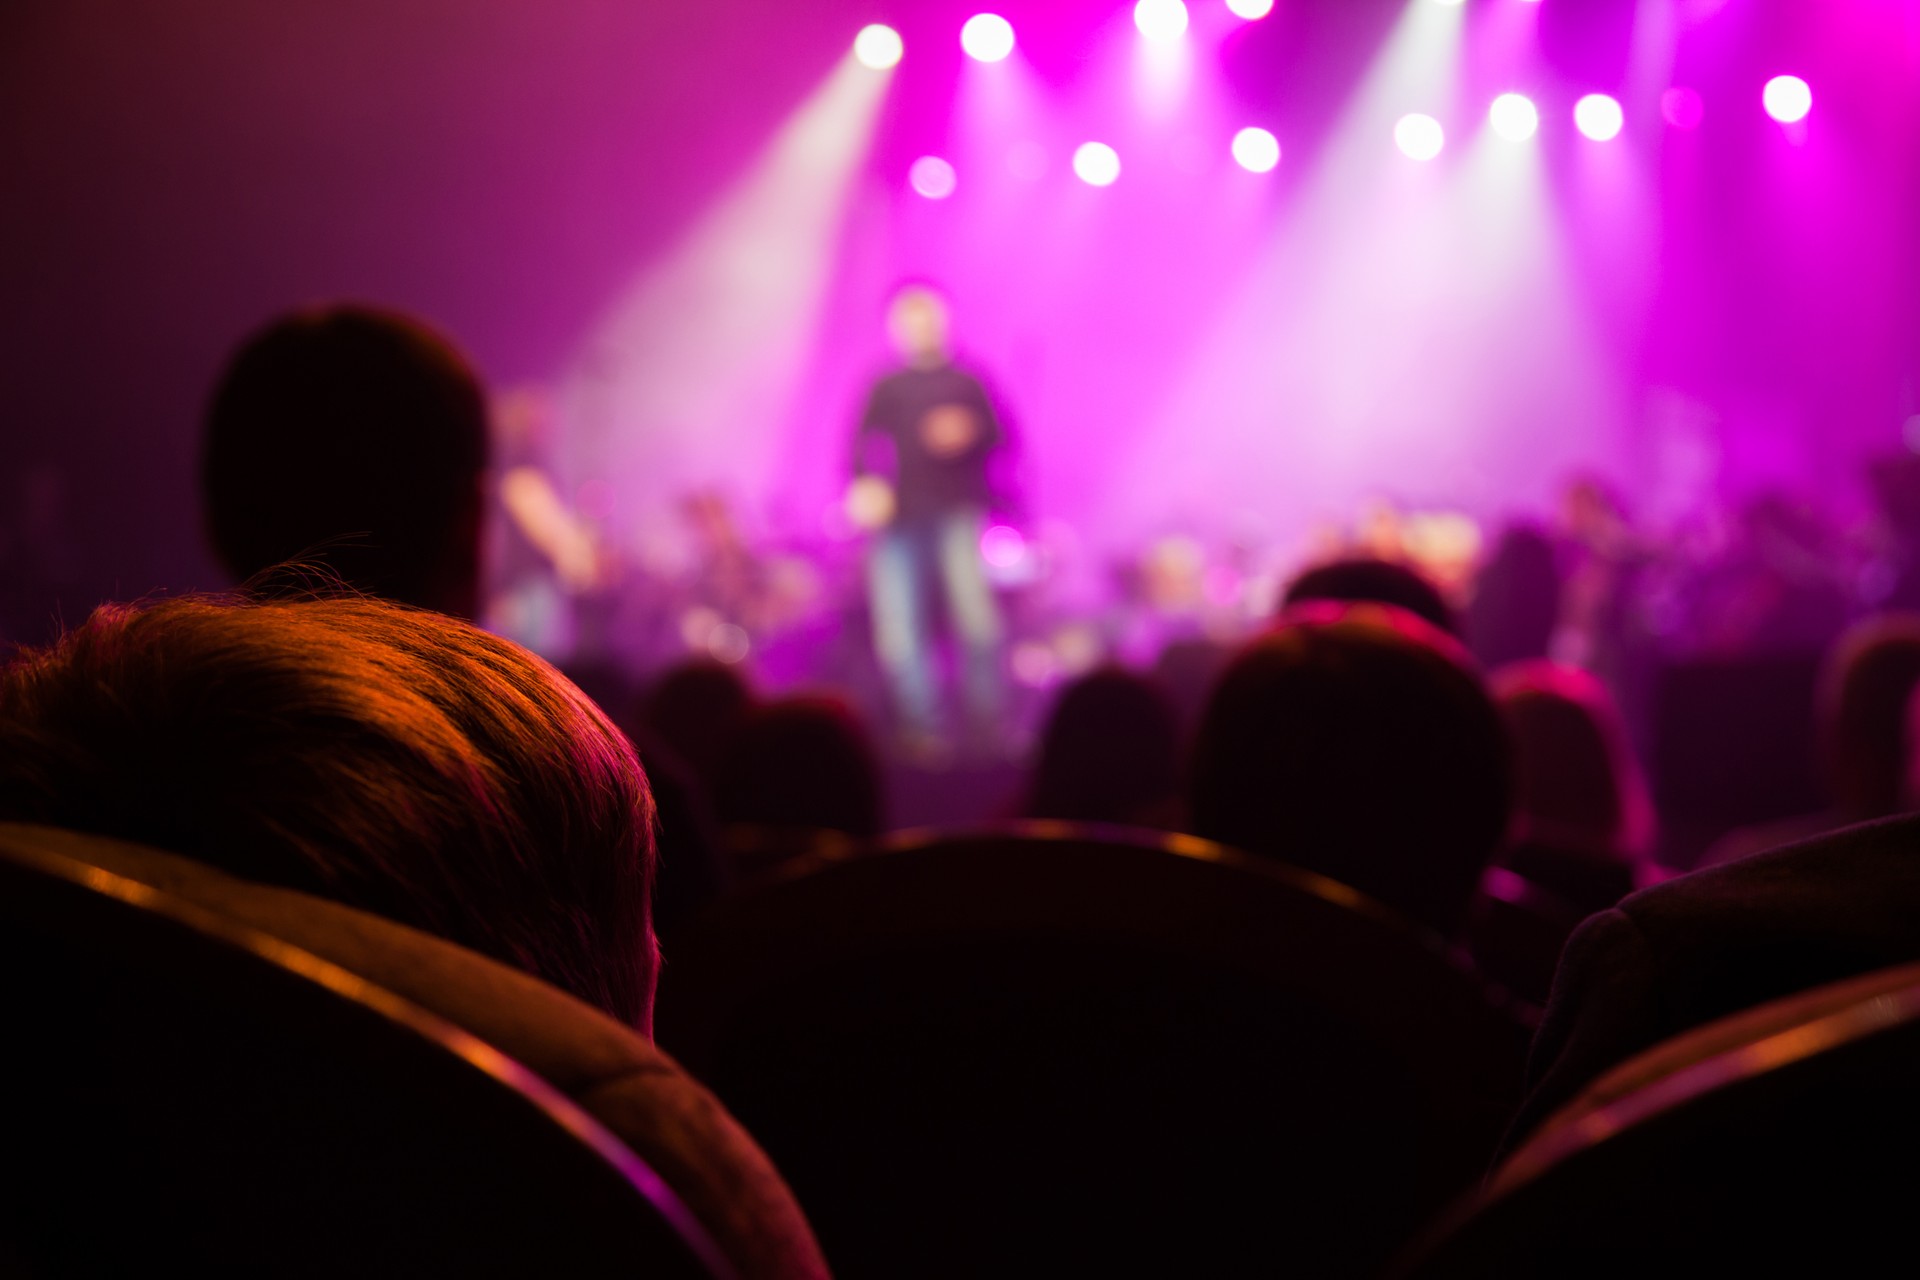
{"x":1584,"y":825}
{"x":1705,"y":945}
{"x":1110,"y":753}
{"x":354,"y":440}
{"x":1515,"y":607}
{"x":1863,"y":744}
{"x":1356,"y":741}
{"x":1381,"y":581}
{"x":693,"y":709}
{"x":388,"y":758}
{"x":688,"y":869}
{"x":792,"y":769}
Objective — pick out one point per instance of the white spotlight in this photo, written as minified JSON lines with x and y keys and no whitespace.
{"x":1787,"y":99}
{"x":1256,"y":150}
{"x":1419,"y":137}
{"x":1160,"y":21}
{"x":1097,"y":164}
{"x":1599,"y":117}
{"x":1514,"y":117}
{"x":1251,"y":10}
{"x":877,"y":46}
{"x":987,"y":37}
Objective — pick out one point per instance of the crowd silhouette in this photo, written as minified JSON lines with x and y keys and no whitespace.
{"x":1239,"y":980}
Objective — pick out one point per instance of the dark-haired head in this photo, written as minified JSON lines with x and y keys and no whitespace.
{"x":1357,"y":741}
{"x":1575,"y":778}
{"x":1866,"y":682}
{"x":1381,"y":581}
{"x":354,"y":439}
{"x":1110,"y":753}
{"x":800,"y":764}
{"x":388,"y":758}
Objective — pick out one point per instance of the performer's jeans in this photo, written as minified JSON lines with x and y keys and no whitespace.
{"x":905,"y":564}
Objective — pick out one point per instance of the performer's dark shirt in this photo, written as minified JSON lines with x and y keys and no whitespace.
{"x":907,"y":408}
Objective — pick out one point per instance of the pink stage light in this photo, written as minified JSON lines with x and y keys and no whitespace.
{"x":932,"y":177}
{"x":1097,"y":164}
{"x":1787,"y":99}
{"x":1256,"y":150}
{"x":1514,"y":117}
{"x":1160,"y":21}
{"x":987,"y":37}
{"x":1251,"y":10}
{"x":1003,"y":547}
{"x":1598,"y":117}
{"x":1419,"y":137}
{"x":1682,"y":108}
{"x":878,"y":46}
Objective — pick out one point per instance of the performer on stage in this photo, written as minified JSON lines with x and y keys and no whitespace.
{"x":941,"y":429}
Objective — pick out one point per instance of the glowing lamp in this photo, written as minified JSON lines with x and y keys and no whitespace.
{"x":932,"y":177}
{"x":1598,"y":117}
{"x":987,"y":37}
{"x":1251,"y":10}
{"x":1787,"y":99}
{"x":877,"y":46}
{"x":1419,"y":137}
{"x":1256,"y":150}
{"x":1160,"y":21}
{"x":1514,"y":117}
{"x":1096,"y":164}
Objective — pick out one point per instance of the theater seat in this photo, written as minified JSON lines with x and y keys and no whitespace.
{"x":203,"y":1074}
{"x":1780,"y":1141}
{"x":1061,"y":1050}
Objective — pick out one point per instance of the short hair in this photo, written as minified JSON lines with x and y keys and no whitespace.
{"x":1110,"y":752}
{"x":1357,"y":741}
{"x":1575,"y":775}
{"x":800,"y":763}
{"x":384,"y":757}
{"x":1381,"y":581}
{"x":356,"y":439}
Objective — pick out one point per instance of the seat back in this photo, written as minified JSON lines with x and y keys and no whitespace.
{"x":1778,"y":1141}
{"x":187,"y":1094}
{"x":1052,"y":1048}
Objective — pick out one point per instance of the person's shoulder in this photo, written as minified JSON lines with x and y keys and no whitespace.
{"x":1869,"y":874}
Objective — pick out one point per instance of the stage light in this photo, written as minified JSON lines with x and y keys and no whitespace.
{"x":1251,"y":10}
{"x":1514,"y":117}
{"x":1256,"y":150}
{"x":1598,"y":116}
{"x":987,"y":37}
{"x":1003,"y":547}
{"x":932,"y":177}
{"x":878,"y":46}
{"x":1419,"y":137}
{"x":1682,"y":108}
{"x":1160,"y":20}
{"x":1787,"y":99}
{"x":1096,"y":163}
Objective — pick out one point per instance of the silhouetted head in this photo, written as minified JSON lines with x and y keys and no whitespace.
{"x":800,"y":763}
{"x":1357,"y":741}
{"x":1575,"y":778}
{"x":1864,"y":686}
{"x":693,"y":709}
{"x":1381,"y":581}
{"x":1110,"y":753}
{"x":1516,"y":599}
{"x":917,"y":322}
{"x":356,"y":439}
{"x":388,"y":758}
